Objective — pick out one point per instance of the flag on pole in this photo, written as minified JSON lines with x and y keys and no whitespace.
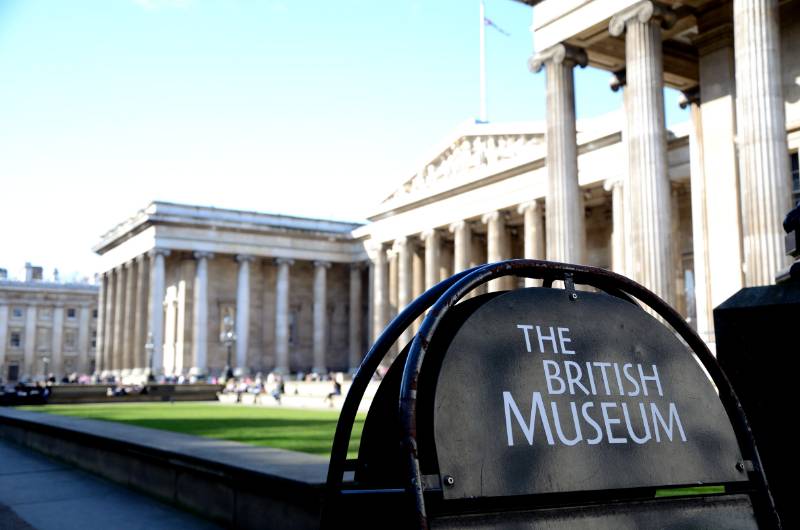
{"x":487,"y":21}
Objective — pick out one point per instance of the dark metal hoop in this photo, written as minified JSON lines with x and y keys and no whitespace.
{"x":550,"y":271}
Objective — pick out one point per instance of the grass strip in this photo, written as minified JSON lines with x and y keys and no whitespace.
{"x":307,"y":431}
{"x":693,"y":490}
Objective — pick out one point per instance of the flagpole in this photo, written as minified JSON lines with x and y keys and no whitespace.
{"x":483,"y":115}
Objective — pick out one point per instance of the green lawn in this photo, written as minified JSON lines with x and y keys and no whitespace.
{"x":308,"y":431}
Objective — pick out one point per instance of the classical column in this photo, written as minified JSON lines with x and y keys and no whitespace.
{"x":185,"y":278}
{"x":647,"y":146}
{"x":200,"y":316}
{"x":625,"y":203}
{"x":101,"y":319}
{"x":170,"y":331}
{"x":119,"y":321}
{"x":533,"y":234}
{"x":432,"y":257}
{"x":242,"y":313}
{"x":380,"y":290}
{"x":156,"y":316}
{"x":391,"y":258}
{"x":108,"y":333}
{"x":3,"y":336}
{"x":763,"y":152}
{"x":30,"y":342}
{"x":462,"y":245}
{"x":354,"y":328}
{"x":84,"y":328}
{"x":130,"y":312}
{"x":282,"y":316}
{"x":370,"y":301}
{"x":417,"y":251}
{"x":716,"y":211}
{"x":617,"y":224}
{"x":702,"y":294}
{"x":57,"y":348}
{"x":320,"y":316}
{"x":566,"y":235}
{"x":496,"y":245}
{"x":140,"y":315}
{"x":404,"y":283}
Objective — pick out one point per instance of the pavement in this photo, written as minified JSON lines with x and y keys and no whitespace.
{"x":40,"y":493}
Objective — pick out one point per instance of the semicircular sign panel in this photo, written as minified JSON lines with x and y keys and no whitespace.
{"x":540,"y":393}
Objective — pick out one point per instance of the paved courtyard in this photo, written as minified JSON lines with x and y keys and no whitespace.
{"x":37,"y":492}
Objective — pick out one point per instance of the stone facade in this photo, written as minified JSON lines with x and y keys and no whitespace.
{"x":499,"y":211}
{"x":736,"y":63}
{"x":173,"y":272}
{"x":692,"y":213}
{"x":46,"y":328}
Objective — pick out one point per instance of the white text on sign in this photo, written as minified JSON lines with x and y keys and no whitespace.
{"x":591,"y":421}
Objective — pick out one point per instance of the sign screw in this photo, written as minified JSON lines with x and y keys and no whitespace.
{"x":740,"y":467}
{"x":573,"y":296}
{"x":449,"y":480}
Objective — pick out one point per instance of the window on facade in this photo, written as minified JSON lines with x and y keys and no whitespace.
{"x":94,"y":313}
{"x":94,"y":338}
{"x":795,"y":166}
{"x":70,"y":341}
{"x":43,"y":339}
{"x":13,"y":372}
{"x":17,"y":312}
{"x":71,"y":313}
{"x":15,"y":340}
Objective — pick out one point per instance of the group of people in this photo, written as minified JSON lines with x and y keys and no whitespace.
{"x":274,"y":385}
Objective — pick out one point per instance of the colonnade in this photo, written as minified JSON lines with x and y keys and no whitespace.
{"x":138,"y":318}
{"x":128,"y":321}
{"x":643,"y":217}
{"x":445,"y":250}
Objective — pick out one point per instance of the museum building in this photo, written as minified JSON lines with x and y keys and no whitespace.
{"x":46,"y":326}
{"x":693,"y":213}
{"x":292,"y":287}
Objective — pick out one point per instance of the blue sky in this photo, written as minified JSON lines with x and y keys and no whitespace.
{"x":311,"y":108}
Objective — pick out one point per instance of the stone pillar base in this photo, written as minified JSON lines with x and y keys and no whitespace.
{"x":197,"y":371}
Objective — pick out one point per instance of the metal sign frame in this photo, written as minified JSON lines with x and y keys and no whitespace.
{"x":441,"y":298}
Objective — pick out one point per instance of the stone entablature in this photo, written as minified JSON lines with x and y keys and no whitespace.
{"x":199,"y":228}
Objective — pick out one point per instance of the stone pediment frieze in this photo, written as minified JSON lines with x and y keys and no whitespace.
{"x":475,"y":149}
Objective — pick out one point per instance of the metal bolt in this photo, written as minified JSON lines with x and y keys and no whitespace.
{"x":574,"y":296}
{"x":740,"y":467}
{"x":449,"y":481}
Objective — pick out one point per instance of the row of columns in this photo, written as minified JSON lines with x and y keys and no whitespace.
{"x":320,"y":324}
{"x":131,"y":315}
{"x":396,"y":281}
{"x":125,"y":301}
{"x":643,"y":228}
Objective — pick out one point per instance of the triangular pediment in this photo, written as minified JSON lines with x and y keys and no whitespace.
{"x":472,"y":148}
